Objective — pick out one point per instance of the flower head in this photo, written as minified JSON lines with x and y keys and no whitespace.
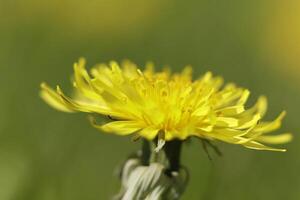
{"x":168,"y":106}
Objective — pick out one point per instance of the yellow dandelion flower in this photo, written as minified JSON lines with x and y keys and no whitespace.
{"x":168,"y":106}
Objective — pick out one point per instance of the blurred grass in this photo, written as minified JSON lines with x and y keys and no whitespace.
{"x":47,"y":155}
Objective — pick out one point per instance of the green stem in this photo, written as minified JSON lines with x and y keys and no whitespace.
{"x":146,"y":152}
{"x":173,"y":150}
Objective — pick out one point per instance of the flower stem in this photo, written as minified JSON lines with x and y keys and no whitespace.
{"x":146,"y":152}
{"x":172,"y":150}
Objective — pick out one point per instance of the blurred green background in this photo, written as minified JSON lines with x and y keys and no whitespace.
{"x":49,"y":155}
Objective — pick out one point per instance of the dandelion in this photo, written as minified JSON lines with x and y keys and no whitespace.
{"x":165,"y":107}
{"x":169,"y":106}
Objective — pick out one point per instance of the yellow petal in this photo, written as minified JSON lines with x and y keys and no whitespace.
{"x":244,"y":97}
{"x":120,"y":127}
{"x":226,"y":135}
{"x":149,"y":132}
{"x":275,"y":139}
{"x":83,"y":81}
{"x":248,"y":122}
{"x":231,"y":110}
{"x":201,"y":111}
{"x":266,"y":127}
{"x":53,"y":99}
{"x":206,"y":128}
{"x":85,"y":106}
{"x":227,"y":122}
{"x":260,"y":107}
{"x":259,"y":146}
